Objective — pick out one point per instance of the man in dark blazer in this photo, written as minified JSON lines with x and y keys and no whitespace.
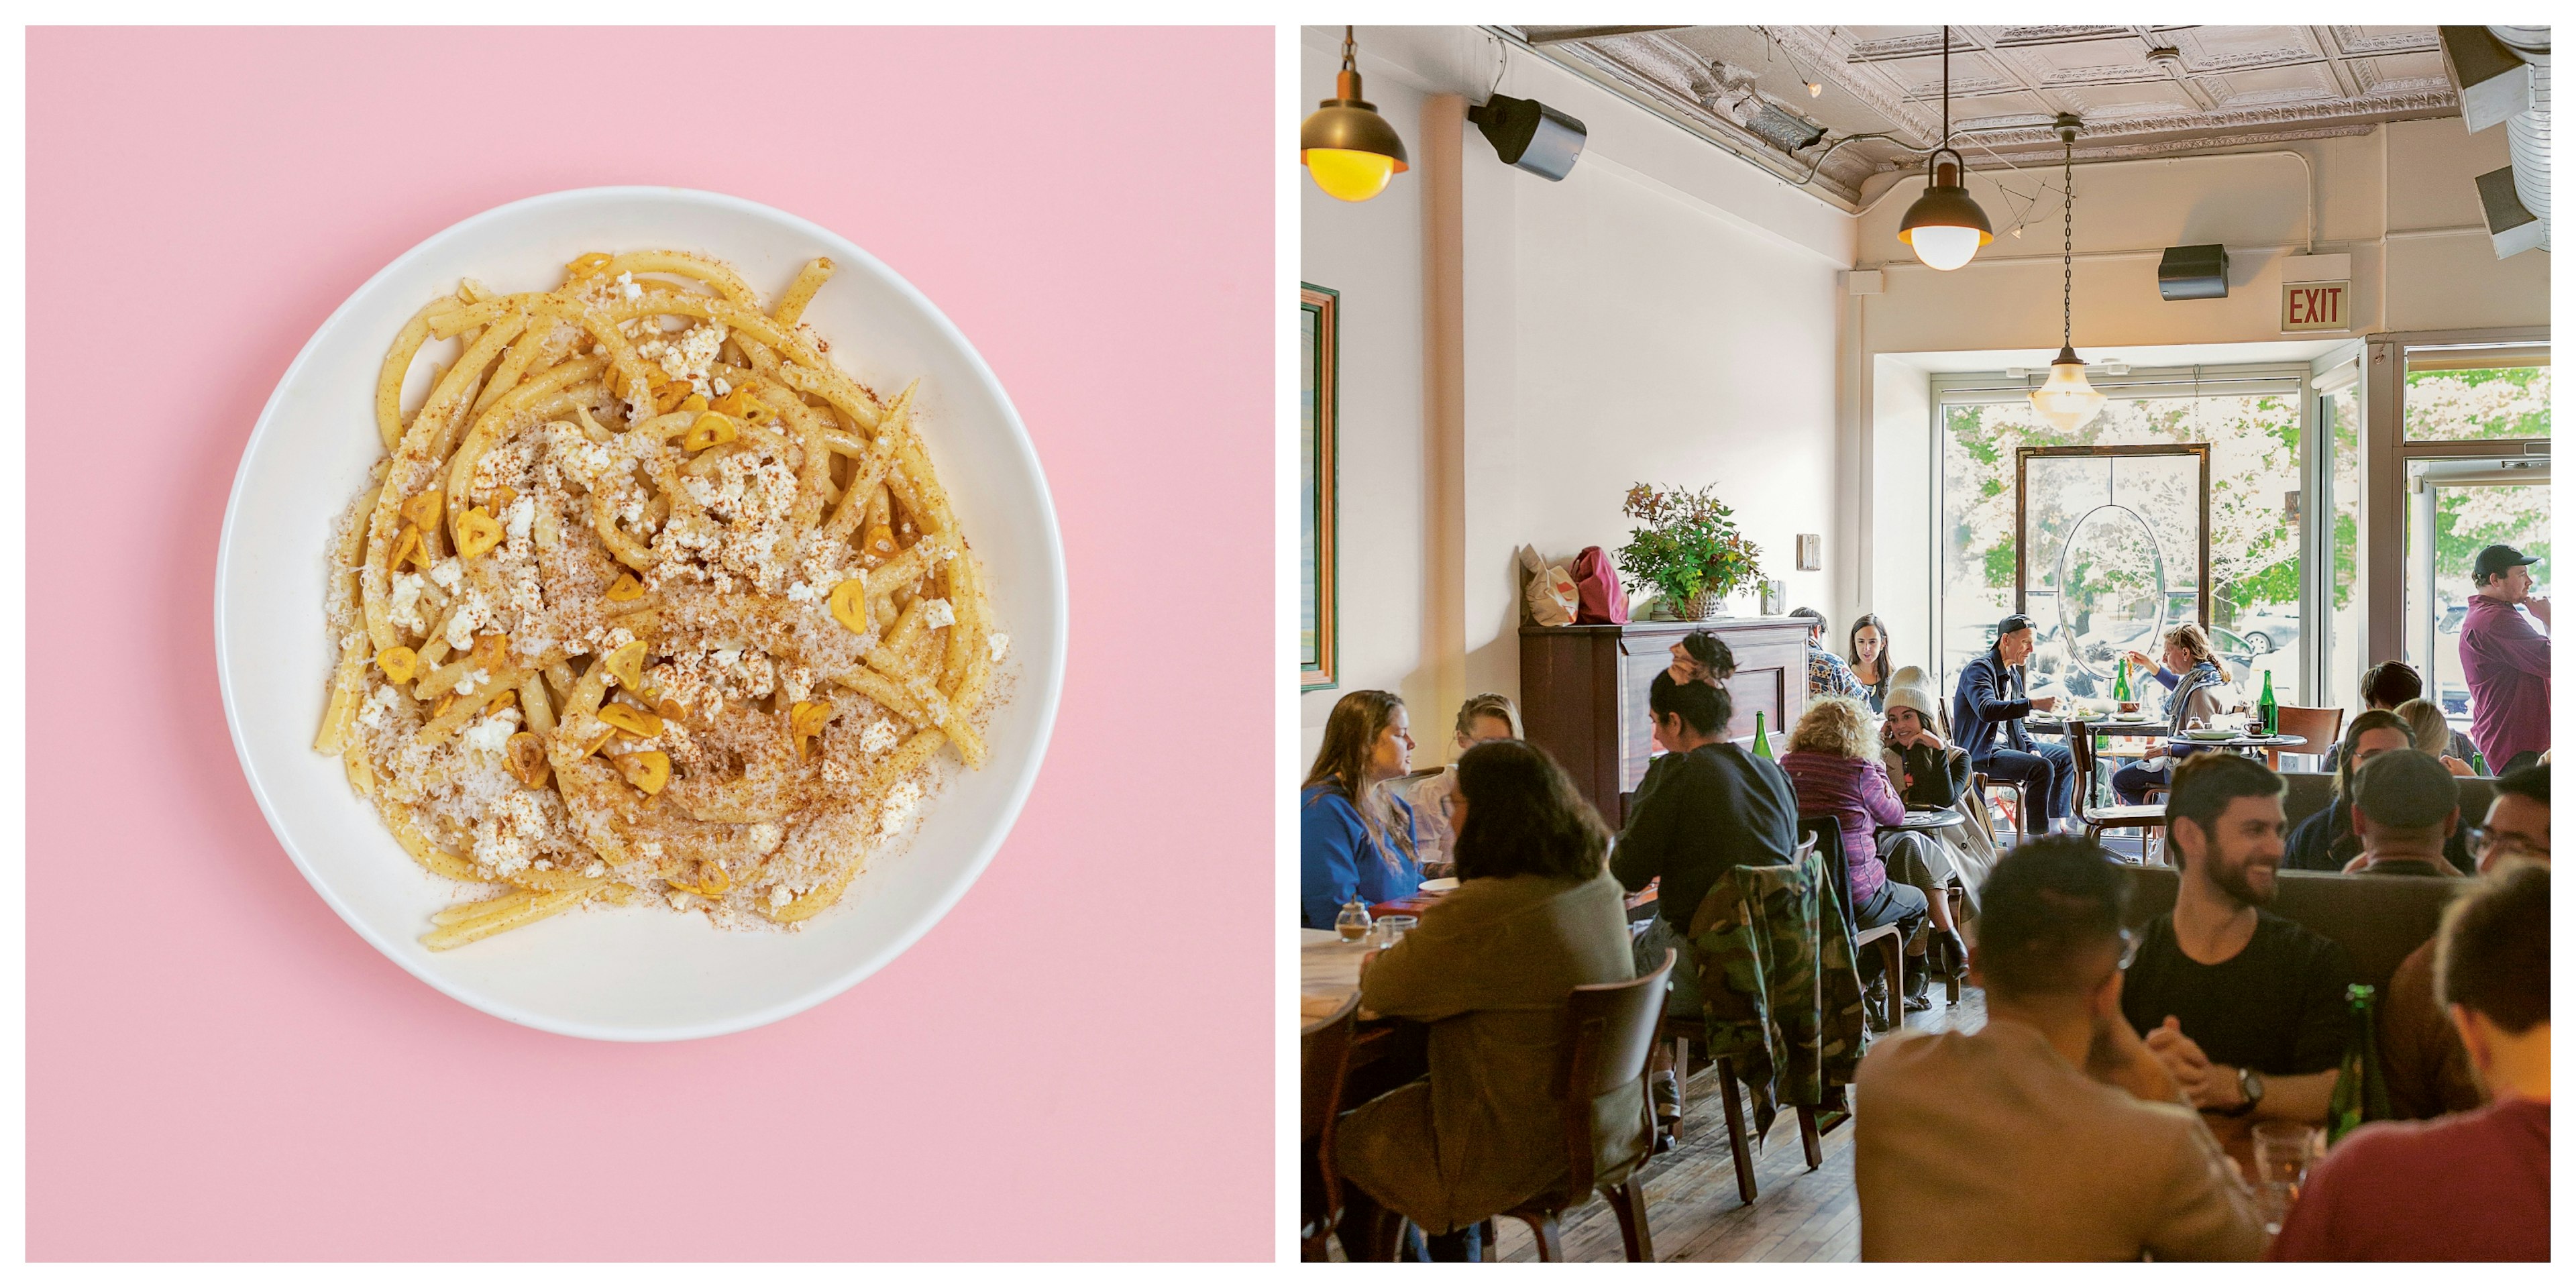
{"x":1987,"y":709}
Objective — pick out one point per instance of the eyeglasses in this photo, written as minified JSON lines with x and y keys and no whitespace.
{"x":2128,"y":949}
{"x":2480,"y":839}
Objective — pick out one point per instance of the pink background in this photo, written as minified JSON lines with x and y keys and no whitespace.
{"x":218,"y":1068}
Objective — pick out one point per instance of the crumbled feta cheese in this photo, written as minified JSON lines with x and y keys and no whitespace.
{"x":900,"y":803}
{"x":405,"y":605}
{"x":627,"y":286}
{"x":380,"y":706}
{"x":596,"y":869}
{"x":478,"y":676}
{"x":879,"y":737}
{"x":1001,"y":644}
{"x":448,"y":574}
{"x":800,"y":593}
{"x":936,"y":613}
{"x":522,"y":513}
{"x":490,"y":733}
{"x":779,"y":897}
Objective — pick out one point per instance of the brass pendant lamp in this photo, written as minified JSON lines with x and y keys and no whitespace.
{"x":1945,"y":226}
{"x":1350,"y":149}
{"x":2068,"y":400}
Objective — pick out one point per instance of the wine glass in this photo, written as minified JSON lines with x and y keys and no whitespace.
{"x":2282,"y":1154}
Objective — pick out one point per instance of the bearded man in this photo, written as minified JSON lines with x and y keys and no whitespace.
{"x":2246,"y":1009}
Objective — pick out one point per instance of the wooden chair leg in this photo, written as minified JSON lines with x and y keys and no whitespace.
{"x":1892,"y":948}
{"x":1681,"y":1076}
{"x":1736,"y":1139}
{"x":1808,"y":1136}
{"x":1490,"y":1235}
{"x":1628,"y":1201}
{"x":1551,"y":1246}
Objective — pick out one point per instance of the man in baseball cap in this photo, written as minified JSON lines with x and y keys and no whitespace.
{"x":2505,"y":661}
{"x":2404,"y":806}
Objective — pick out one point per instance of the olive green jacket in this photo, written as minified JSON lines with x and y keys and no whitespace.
{"x":1489,"y":969}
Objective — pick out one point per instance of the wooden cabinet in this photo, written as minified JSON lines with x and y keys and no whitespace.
{"x":1584,"y":692}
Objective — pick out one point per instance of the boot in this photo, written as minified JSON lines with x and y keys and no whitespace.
{"x":1918,"y":986}
{"x":1953,"y":951}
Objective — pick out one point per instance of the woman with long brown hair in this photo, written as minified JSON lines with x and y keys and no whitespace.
{"x":1868,"y":658}
{"x":1535,"y":916}
{"x":1355,"y":839}
{"x":2192,"y":671}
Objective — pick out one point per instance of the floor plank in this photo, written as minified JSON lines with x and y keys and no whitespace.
{"x":1691,"y":1203}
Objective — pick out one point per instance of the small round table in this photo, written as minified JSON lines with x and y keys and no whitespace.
{"x":1925,"y":820}
{"x":2241,"y":742}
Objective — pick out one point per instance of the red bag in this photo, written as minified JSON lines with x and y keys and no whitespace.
{"x":1604,"y":603}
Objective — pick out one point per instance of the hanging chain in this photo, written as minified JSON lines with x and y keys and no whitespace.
{"x":1945,"y":94}
{"x":2069,"y":136}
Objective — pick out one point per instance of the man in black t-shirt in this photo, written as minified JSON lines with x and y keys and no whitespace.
{"x":2246,"y":1009}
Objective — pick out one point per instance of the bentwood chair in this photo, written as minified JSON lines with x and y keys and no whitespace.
{"x":1324,"y":1057}
{"x":1827,"y":833}
{"x":1683,"y":1030}
{"x":2319,"y":725}
{"x":1609,"y":1032}
{"x":2021,"y":821}
{"x":2098,"y":819}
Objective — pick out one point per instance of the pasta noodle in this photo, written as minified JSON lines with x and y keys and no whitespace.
{"x":647,"y":602}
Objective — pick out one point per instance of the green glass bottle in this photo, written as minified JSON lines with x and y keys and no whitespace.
{"x":2267,"y":711}
{"x":1761,"y":740}
{"x":2360,"y":1092}
{"x":2120,"y":686}
{"x":2478,"y":762}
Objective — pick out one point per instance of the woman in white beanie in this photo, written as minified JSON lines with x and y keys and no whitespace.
{"x":1933,"y":774}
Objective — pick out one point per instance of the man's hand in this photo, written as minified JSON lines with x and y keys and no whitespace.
{"x":2185,"y":1061}
{"x":2043,"y":704}
{"x":2120,"y":1059}
{"x":2539,"y":607}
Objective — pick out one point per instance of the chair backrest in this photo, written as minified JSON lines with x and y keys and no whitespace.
{"x":2079,"y":739}
{"x":1323,"y":1056}
{"x":1609,"y":1032}
{"x":1824,"y":833}
{"x":2319,"y":725}
{"x":2377,"y":919}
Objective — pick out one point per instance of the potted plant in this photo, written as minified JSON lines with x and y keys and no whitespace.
{"x":1687,"y":549}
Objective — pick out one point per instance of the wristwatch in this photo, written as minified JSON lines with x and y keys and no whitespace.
{"x":2249,"y":1091}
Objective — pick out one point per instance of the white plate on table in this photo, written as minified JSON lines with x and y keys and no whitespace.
{"x":1439,"y":885}
{"x":636,"y":974}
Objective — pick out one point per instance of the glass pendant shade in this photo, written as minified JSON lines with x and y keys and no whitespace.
{"x":2068,"y":400}
{"x":1347,"y":146}
{"x":1945,"y":226}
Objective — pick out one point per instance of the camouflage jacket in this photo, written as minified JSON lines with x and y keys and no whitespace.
{"x":1783,"y":994}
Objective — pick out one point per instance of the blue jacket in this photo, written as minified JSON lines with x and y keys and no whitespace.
{"x":1336,"y":858}
{"x":1990,"y":699}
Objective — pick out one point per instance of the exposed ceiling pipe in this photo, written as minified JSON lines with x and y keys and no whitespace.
{"x":2527,"y":131}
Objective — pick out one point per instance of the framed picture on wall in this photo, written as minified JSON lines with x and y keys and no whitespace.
{"x":1318,"y":400}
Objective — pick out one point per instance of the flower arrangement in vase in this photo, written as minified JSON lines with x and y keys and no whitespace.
{"x":1687,"y":548}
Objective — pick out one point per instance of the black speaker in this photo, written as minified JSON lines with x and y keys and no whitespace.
{"x":1530,"y":134}
{"x":2193,"y":273}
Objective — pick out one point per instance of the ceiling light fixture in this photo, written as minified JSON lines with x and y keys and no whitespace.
{"x":2068,"y":400}
{"x":1945,"y":226}
{"x":1346,"y":145}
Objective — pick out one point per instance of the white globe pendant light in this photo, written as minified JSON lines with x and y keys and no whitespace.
{"x":2068,"y":400}
{"x":1945,"y":226}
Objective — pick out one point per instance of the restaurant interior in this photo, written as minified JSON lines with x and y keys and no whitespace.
{"x":2041,"y":535}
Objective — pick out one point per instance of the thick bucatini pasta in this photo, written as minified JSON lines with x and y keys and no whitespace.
{"x":648,"y":601}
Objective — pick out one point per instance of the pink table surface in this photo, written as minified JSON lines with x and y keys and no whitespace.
{"x":218,"y":1068}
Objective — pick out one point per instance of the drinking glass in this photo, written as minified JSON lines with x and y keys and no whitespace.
{"x":2282,"y":1153}
{"x":1390,"y":930}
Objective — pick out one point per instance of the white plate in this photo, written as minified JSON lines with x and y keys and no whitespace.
{"x":638,"y":974}
{"x":1437,"y":885}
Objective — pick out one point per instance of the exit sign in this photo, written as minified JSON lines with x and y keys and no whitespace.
{"x":2316,"y":306}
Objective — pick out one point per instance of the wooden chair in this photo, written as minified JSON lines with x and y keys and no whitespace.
{"x":1827,"y":833}
{"x":2021,"y":820}
{"x":2100,"y":819}
{"x":1324,"y":1057}
{"x":2319,"y":725}
{"x":1682,"y":1030}
{"x":1609,"y":1032}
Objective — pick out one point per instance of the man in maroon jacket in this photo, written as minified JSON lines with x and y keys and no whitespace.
{"x":2505,"y":661}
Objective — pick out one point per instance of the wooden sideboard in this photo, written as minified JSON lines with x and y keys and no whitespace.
{"x":1584,"y":692}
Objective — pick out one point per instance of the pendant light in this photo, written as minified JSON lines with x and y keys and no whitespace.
{"x":2068,"y":400}
{"x":1945,"y":226}
{"x":1346,"y":145}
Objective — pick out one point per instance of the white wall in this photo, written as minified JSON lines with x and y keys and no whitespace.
{"x":1372,"y":253}
{"x":1666,"y":314}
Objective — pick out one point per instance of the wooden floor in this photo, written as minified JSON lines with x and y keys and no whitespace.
{"x":1691,"y":1200}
